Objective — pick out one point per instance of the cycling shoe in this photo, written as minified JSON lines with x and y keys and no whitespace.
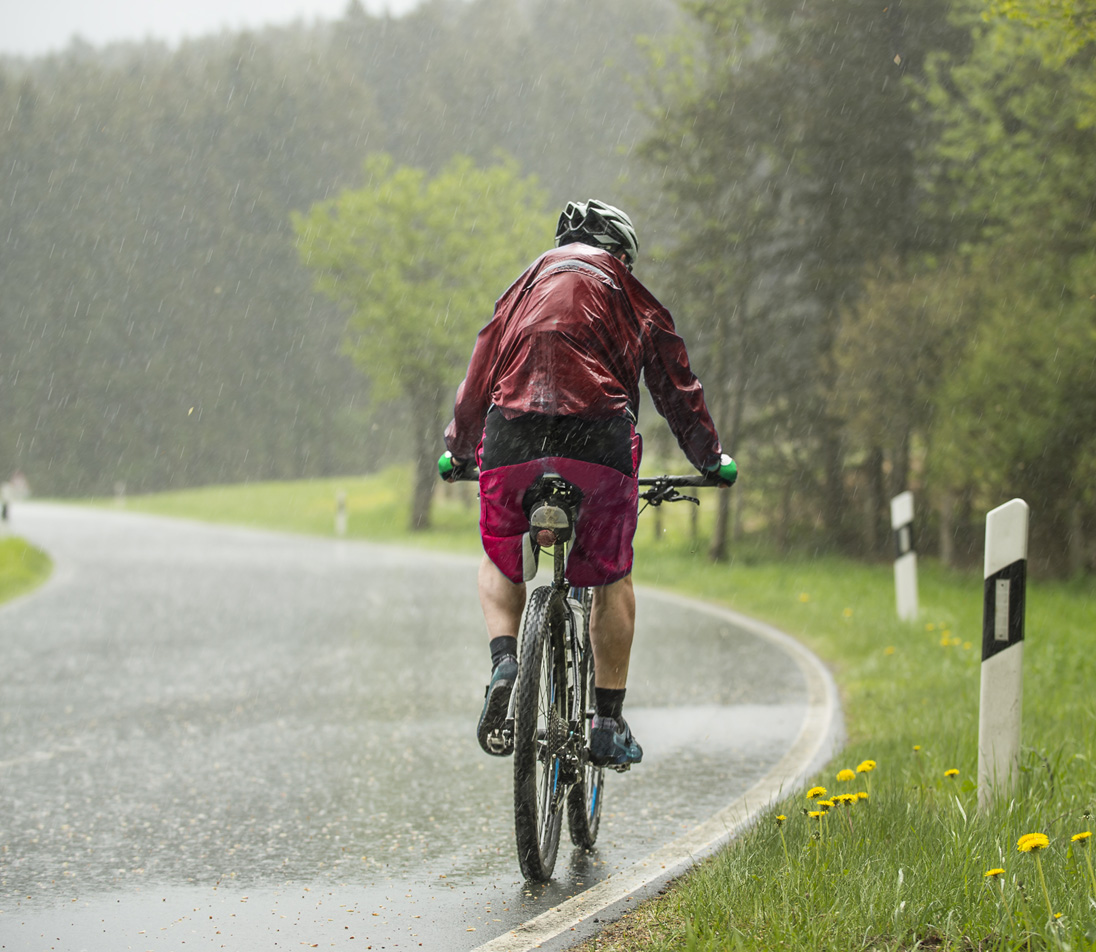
{"x":612,"y":743}
{"x":492,"y":737}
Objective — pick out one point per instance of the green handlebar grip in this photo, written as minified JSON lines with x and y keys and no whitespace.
{"x":446,"y":464}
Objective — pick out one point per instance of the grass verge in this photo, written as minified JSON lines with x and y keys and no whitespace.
{"x":377,"y":508}
{"x":906,"y":866}
{"x":22,"y":568}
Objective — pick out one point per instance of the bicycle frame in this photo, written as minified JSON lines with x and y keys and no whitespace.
{"x":551,"y":524}
{"x":572,"y":643}
{"x":548,"y":715}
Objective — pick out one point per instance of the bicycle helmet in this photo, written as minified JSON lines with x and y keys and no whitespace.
{"x":595,"y":223}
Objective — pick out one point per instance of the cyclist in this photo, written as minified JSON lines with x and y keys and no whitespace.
{"x":553,"y":385}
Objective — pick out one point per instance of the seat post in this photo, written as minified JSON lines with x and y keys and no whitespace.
{"x":559,"y":561}
{"x":552,"y":505}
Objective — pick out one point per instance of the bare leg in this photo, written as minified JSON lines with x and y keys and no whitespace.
{"x":502,"y":601}
{"x":612,"y":627}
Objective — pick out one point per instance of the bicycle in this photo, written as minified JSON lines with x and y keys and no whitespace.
{"x":551,"y":707}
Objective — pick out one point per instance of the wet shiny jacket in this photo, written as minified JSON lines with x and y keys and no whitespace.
{"x":571,"y":337}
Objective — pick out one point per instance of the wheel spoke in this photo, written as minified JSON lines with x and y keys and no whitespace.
{"x":585,"y":799}
{"x":542,"y":733}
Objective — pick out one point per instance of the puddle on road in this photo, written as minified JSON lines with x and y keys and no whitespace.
{"x":467,"y":889}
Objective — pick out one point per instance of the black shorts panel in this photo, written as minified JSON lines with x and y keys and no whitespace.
{"x":535,"y":436}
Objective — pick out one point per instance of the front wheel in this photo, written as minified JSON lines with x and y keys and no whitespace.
{"x":540,"y":732}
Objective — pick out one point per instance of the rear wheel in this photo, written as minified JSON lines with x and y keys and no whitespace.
{"x":584,"y":801}
{"x":540,"y":732}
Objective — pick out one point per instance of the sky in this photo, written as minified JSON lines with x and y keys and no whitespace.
{"x":34,"y":27}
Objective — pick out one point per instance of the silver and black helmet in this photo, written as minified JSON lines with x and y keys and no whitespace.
{"x":596,"y":223}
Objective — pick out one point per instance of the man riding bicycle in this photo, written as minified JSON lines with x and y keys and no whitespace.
{"x":553,"y":385}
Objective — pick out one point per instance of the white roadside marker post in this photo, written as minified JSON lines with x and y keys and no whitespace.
{"x":905,"y":558}
{"x":340,"y":512}
{"x":1003,"y":604}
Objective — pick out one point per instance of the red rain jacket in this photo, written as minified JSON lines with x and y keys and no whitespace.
{"x":570,"y":337}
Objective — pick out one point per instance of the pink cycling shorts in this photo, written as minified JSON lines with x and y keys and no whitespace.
{"x":606,"y":524}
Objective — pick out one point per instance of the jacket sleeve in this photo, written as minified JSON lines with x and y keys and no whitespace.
{"x":676,"y":391}
{"x":463,"y":434}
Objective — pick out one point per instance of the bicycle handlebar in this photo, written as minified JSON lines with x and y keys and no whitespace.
{"x":472,"y":474}
{"x":695,"y":479}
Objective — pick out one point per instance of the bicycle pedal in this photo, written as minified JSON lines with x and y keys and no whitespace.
{"x":500,"y":742}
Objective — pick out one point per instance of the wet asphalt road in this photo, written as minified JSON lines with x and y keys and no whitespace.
{"x":215,"y":738}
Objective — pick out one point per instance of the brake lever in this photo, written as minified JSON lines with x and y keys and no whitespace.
{"x":669,"y":494}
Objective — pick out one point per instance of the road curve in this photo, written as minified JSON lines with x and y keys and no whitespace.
{"x":218,"y":738}
{"x":820,"y":736}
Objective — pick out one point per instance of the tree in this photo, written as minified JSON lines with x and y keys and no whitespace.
{"x":895,"y":345}
{"x":785,"y":135}
{"x":1015,"y":416}
{"x":1015,"y":170}
{"x":1071,"y":22}
{"x":1013,"y":152}
{"x":418,"y":262}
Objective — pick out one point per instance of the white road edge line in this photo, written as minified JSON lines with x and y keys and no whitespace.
{"x":820,"y":737}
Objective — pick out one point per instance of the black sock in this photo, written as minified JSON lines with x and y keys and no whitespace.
{"x":501,"y":647}
{"x":609,"y":702}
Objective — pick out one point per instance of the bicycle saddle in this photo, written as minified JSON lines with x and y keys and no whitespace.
{"x":551,"y":504}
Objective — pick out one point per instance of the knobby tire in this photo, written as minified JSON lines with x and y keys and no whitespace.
{"x":584,"y":801}
{"x":540,"y":727}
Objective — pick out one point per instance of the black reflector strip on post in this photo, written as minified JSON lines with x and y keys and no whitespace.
{"x":903,"y":540}
{"x":1003,"y":604}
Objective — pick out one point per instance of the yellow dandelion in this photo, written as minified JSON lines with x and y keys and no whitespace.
{"x":816,"y":814}
{"x":825,"y":804}
{"x":804,"y":597}
{"x":1081,"y":839}
{"x":865,"y":766}
{"x":847,"y":798}
{"x":846,"y":775}
{"x":889,"y":650}
{"x":916,"y":748}
{"x":953,"y":772}
{"x":862,"y":795}
{"x":847,"y":613}
{"x":994,"y":873}
{"x":815,"y":792}
{"x":1032,"y":842}
{"x":784,"y":843}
